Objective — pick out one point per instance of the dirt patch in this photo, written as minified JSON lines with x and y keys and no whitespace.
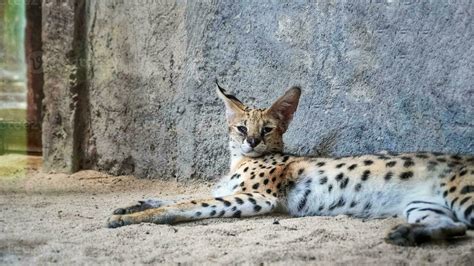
{"x":58,"y":218}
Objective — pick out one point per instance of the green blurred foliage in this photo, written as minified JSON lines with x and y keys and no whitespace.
{"x":13,"y":127}
{"x":13,"y":34}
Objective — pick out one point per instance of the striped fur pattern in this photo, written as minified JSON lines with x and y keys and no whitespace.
{"x":434,"y":192}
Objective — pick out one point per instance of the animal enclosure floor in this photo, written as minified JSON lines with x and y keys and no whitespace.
{"x":58,"y":218}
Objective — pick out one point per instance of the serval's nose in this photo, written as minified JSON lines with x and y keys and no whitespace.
{"x":253,"y":142}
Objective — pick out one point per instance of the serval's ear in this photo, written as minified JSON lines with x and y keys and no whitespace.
{"x":284,"y":108}
{"x":233,"y":106}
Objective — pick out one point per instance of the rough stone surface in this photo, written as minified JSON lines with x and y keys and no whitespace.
{"x":376,"y":75}
{"x":57,"y":23}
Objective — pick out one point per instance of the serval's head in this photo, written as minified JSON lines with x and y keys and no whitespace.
{"x":254,"y":132}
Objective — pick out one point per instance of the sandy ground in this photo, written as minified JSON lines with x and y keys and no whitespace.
{"x":59,"y":218}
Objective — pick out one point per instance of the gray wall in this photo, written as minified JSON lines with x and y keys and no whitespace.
{"x":376,"y":75}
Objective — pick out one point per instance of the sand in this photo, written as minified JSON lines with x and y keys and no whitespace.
{"x":58,"y":218}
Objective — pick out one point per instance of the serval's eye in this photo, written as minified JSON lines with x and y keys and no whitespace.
{"x":267,"y":130}
{"x":242,"y":129}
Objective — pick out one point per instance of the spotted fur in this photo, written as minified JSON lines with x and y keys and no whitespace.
{"x":434,"y":192}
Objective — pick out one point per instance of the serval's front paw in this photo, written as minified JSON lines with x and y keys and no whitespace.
{"x":141,"y":206}
{"x":116,"y":221}
{"x":407,"y":235}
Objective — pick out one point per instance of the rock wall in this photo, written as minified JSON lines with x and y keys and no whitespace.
{"x":376,"y":75}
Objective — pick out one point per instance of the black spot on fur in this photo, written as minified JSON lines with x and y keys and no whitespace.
{"x":329,"y":188}
{"x":257,"y":208}
{"x":221,"y":213}
{"x":339,"y":177}
{"x":246,"y":169}
{"x":193,"y":202}
{"x":302,"y":203}
{"x":321,"y":164}
{"x":388,"y":176}
{"x":452,"y":189}
{"x":261,"y":174}
{"x":456,"y":157}
{"x":406,"y":175}
{"x":300,"y":172}
{"x":431,"y":165}
{"x":467,"y":189}
{"x":441,"y":160}
{"x":237,"y":214}
{"x":234,"y":208}
{"x":198,"y":214}
{"x":453,"y":164}
{"x":365,"y":175}
{"x":272,"y":171}
{"x":285,"y":158}
{"x":235,"y":187}
{"x":468,"y":211}
{"x":344,"y":183}
{"x":323,"y":180}
{"x":269,"y":191}
{"x":266,"y":181}
{"x":452,"y":178}
{"x":353,"y":204}
{"x":242,"y":184}
{"x":454,"y":201}
{"x":341,"y":202}
{"x":268,"y":203}
{"x":256,"y":185}
{"x":367,"y":206}
{"x":273,"y":179}
{"x":463,"y":172}
{"x":204,"y":204}
{"x":239,"y":201}
{"x":340,"y":165}
{"x":422,"y":156}
{"x":391,"y":163}
{"x":464,"y":200}
{"x":368,"y":162}
{"x":408,"y":163}
{"x":213,"y":212}
{"x":252,"y":200}
{"x":352,"y":167}
{"x":358,"y":187}
{"x":235,"y":176}
{"x":445,"y":194}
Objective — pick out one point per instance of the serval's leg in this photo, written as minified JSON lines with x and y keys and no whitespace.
{"x":459,"y":194}
{"x":144,"y":205}
{"x":427,"y":220}
{"x":238,"y":205}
